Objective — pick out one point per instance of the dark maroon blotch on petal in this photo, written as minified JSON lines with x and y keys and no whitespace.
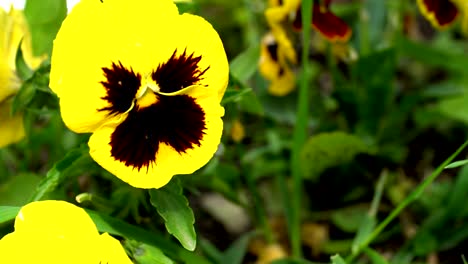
{"x":121,"y":85}
{"x":179,"y":72}
{"x":177,"y":121}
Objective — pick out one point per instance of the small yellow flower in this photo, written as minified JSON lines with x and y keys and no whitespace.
{"x":13,"y":28}
{"x":146,"y":81}
{"x":57,"y":232}
{"x":237,"y":131}
{"x":275,"y":67}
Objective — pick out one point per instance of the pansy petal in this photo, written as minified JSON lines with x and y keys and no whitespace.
{"x":209,"y":47}
{"x":42,"y":248}
{"x":57,"y":232}
{"x":324,"y":21}
{"x":8,"y":81}
{"x":269,"y":57}
{"x":55,"y":217}
{"x":94,"y":36}
{"x":441,"y":13}
{"x":115,"y":40}
{"x":151,"y":146}
{"x":276,"y":16}
{"x":462,"y":6}
{"x":11,"y":127}
{"x":112,"y":251}
{"x":16,"y":31}
{"x":329,"y":25}
{"x":283,"y":84}
{"x":278,"y":72}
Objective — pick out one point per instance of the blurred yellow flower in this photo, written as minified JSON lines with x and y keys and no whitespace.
{"x":275,"y":67}
{"x":443,"y":13}
{"x":57,"y":232}
{"x":146,"y":81}
{"x":278,"y":55}
{"x":237,"y":131}
{"x":13,"y":29}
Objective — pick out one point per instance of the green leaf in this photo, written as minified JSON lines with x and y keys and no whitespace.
{"x":34,"y":93}
{"x":24,"y":96}
{"x":114,"y":226}
{"x":456,"y":202}
{"x":374,"y":76}
{"x":235,"y":95}
{"x":251,"y":104}
{"x":365,"y":229}
{"x":44,"y":18}
{"x":456,"y":164}
{"x":291,"y":261}
{"x":174,"y":208}
{"x":117,"y":227}
{"x":349,"y":219}
{"x":245,"y":65}
{"x":370,"y":220}
{"x":374,"y":256}
{"x":12,"y":191}
{"x":336,"y":259}
{"x":429,"y":55}
{"x":186,"y":6}
{"x":455,"y":107}
{"x":147,"y":254}
{"x":375,"y":22}
{"x":326,"y":150}
{"x":464,"y":260}
{"x":8,"y":213}
{"x":210,"y":251}
{"x":22,"y":69}
{"x":57,"y":174}
{"x":244,"y":95}
{"x":236,"y":252}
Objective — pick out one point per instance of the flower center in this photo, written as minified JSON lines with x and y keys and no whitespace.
{"x":146,"y":94}
{"x":157,"y":113}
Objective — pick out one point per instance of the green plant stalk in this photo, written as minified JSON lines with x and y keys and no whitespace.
{"x":412,"y":197}
{"x":378,"y":193}
{"x":300,"y":135}
{"x":364,"y":42}
{"x":57,"y":174}
{"x":259,"y":209}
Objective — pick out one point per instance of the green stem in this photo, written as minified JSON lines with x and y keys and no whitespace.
{"x":259,"y":210}
{"x":412,"y":197}
{"x":364,"y":32}
{"x":300,"y":134}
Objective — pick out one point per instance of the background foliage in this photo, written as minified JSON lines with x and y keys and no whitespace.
{"x":381,"y":127}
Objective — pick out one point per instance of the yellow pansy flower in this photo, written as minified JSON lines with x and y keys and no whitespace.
{"x":275,"y":67}
{"x":57,"y":232}
{"x":278,"y":55}
{"x":146,"y":81}
{"x":13,"y":29}
{"x":443,"y":13}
